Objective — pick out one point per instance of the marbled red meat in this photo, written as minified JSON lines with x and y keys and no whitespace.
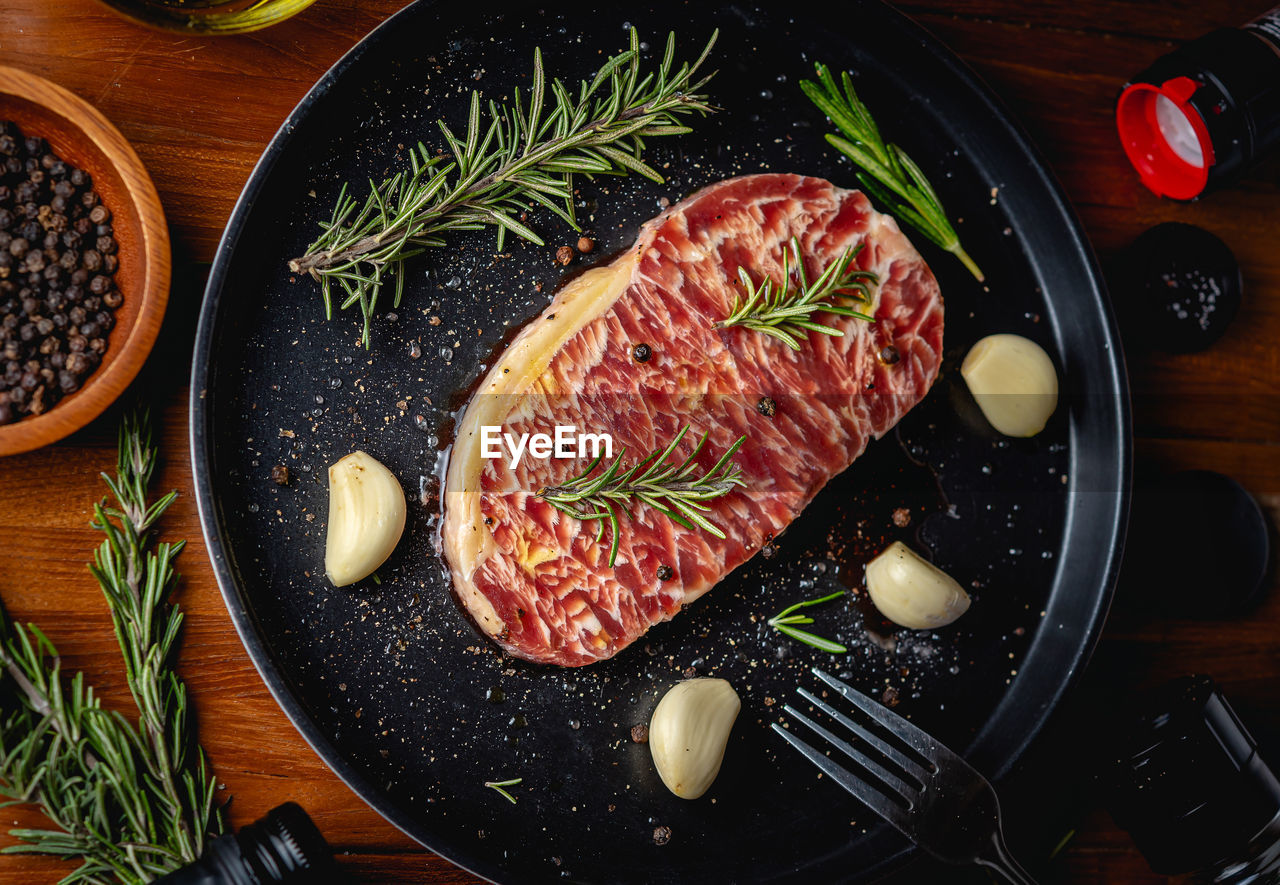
{"x":536,"y":580}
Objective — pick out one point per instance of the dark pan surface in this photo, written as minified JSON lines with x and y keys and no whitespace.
{"x":388,"y":682}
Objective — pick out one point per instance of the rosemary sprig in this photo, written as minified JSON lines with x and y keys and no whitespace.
{"x":785,"y":309}
{"x":886,"y":170}
{"x":500,"y":785}
{"x":673,"y":490}
{"x":524,"y":154}
{"x":131,"y":802}
{"x":785,"y":622}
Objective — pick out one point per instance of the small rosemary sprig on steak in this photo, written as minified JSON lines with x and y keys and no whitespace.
{"x":786,"y":620}
{"x":785,"y":310}
{"x":673,"y":490}
{"x":887,"y":172}
{"x":520,"y":155}
{"x":500,"y":787}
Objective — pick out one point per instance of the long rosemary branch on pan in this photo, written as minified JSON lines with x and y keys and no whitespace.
{"x":520,"y":153}
{"x":785,"y":309}
{"x":672,"y":489}
{"x":129,"y":802}
{"x":885,"y":169}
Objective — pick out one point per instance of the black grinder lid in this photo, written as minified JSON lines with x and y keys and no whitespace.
{"x":1188,"y":782}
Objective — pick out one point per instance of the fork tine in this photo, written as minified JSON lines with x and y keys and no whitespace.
{"x":893,"y":781}
{"x":917,"y":740}
{"x":865,"y":793}
{"x":909,"y":765}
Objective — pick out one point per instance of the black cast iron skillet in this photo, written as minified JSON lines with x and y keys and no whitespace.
{"x":392,"y":685}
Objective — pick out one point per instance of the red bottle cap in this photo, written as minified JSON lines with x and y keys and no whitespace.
{"x":1165,"y":137}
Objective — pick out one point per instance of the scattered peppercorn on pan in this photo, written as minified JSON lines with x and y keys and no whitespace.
{"x":389,"y":681}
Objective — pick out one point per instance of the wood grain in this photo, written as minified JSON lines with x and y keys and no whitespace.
{"x":79,"y":134}
{"x":199,"y":111}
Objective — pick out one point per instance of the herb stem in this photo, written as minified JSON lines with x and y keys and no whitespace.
{"x":130,"y":801}
{"x":499,"y":786}
{"x":524,"y":156}
{"x":784,"y":310}
{"x":673,"y":490}
{"x":885,"y":170}
{"x":786,"y":620}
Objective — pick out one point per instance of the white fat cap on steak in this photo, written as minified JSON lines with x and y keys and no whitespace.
{"x":467,"y":540}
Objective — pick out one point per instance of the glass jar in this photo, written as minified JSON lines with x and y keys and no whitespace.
{"x":209,"y":16}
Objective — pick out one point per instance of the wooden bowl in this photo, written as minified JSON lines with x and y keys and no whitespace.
{"x":79,"y":134}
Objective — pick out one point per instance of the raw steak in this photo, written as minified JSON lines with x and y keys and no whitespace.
{"x":535,"y":579}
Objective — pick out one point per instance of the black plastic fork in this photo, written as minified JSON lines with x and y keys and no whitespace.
{"x":930,"y":794}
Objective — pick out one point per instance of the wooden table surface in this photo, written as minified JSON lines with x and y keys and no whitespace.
{"x":199,"y":111}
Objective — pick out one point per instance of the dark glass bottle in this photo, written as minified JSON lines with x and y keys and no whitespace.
{"x":1194,"y":792}
{"x":1202,"y":114}
{"x":283,"y":847}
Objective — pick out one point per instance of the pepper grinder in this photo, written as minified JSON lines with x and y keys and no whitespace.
{"x":1190,"y":786}
{"x":283,"y":848}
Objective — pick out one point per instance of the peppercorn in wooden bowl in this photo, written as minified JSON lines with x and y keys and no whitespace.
{"x":83,"y":138}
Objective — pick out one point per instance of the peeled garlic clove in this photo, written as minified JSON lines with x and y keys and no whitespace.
{"x":366,"y":518}
{"x":913,"y":592}
{"x":689,"y":731}
{"x":1014,"y":383}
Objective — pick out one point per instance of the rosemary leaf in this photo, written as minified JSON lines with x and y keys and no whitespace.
{"x":514,"y":155}
{"x":784,"y":310}
{"x":500,"y":787}
{"x":887,"y":173}
{"x":810,"y":639}
{"x":672,"y":490}
{"x":131,"y":802}
{"x":784,"y":622}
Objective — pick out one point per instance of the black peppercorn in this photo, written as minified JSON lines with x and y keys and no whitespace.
{"x":52,"y":332}
{"x":666,"y":573}
{"x":766,"y":406}
{"x":642,"y":353}
{"x":889,"y":355}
